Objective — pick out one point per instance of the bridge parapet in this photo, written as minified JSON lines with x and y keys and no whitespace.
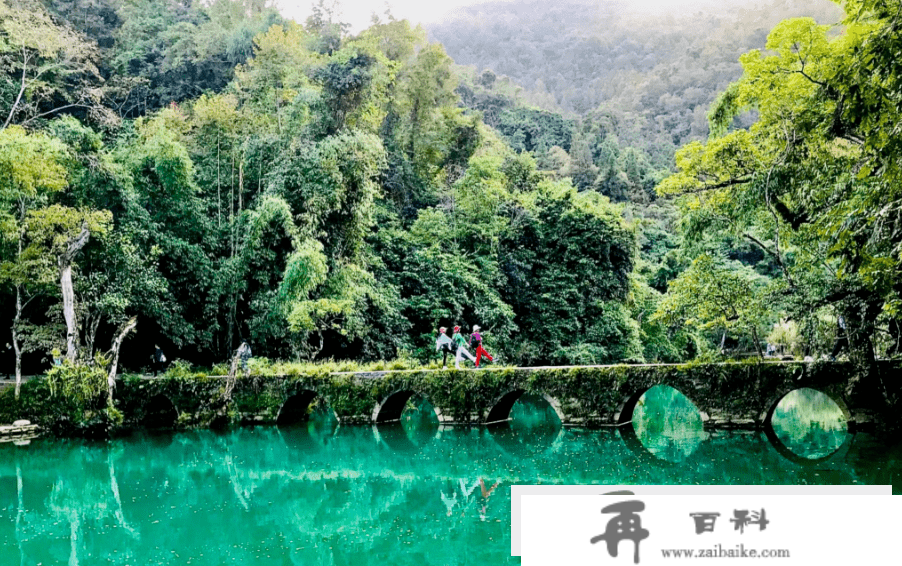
{"x":728,"y":395}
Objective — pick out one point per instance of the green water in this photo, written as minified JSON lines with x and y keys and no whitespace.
{"x":323,"y":494}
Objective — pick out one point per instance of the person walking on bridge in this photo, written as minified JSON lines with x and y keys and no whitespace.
{"x":159,"y":360}
{"x":445,"y":345}
{"x":842,"y":338}
{"x":461,"y":348}
{"x":244,"y":354}
{"x":476,"y":338}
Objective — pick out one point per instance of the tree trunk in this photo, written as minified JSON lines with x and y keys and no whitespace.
{"x":218,"y":185}
{"x":226,"y":399}
{"x":19,"y":305}
{"x":117,"y":343}
{"x":895,"y":333}
{"x":320,"y":348}
{"x":74,"y":525}
{"x":232,"y":206}
{"x":92,"y":322}
{"x":757,"y":343}
{"x":114,"y":487}
{"x":69,"y":311}
{"x":64,"y":261}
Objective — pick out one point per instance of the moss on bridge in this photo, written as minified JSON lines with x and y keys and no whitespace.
{"x":728,"y":395}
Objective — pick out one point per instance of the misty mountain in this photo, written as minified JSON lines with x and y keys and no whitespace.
{"x":656,"y":73}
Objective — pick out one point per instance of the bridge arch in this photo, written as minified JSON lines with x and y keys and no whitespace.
{"x":296,"y":408}
{"x":392,"y":406}
{"x":624,"y":412}
{"x":672,"y":441}
{"x":774,"y":400}
{"x":501,"y":408}
{"x":783,"y":450}
{"x":160,"y":412}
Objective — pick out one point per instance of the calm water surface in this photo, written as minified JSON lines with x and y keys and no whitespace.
{"x":323,"y":494}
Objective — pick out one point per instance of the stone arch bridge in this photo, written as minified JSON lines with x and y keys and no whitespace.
{"x":739,"y":395}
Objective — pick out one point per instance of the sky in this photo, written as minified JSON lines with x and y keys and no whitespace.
{"x":359,"y":12}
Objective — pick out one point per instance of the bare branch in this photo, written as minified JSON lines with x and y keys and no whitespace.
{"x":12,"y":110}
{"x":721,"y":185}
{"x":54,"y":111}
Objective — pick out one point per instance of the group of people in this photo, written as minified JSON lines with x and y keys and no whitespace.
{"x":458,"y":346}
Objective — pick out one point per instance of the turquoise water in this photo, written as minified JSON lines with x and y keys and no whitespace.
{"x":320,"y":493}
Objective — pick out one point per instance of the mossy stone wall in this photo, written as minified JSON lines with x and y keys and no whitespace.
{"x":728,"y":395}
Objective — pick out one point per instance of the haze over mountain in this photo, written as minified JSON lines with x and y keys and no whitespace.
{"x":650,"y":70}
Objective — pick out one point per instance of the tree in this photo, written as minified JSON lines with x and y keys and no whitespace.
{"x":183,"y":49}
{"x":330,"y":186}
{"x":712,"y":294}
{"x":329,"y":32}
{"x":62,"y":232}
{"x":812,"y":182}
{"x":572,"y":257}
{"x":426,"y":103}
{"x":30,"y":172}
{"x":164,"y":216}
{"x":45,"y":68}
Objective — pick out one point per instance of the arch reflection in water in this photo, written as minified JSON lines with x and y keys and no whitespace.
{"x":533,"y":428}
{"x":306,"y":421}
{"x":416,"y":427}
{"x":809,"y":424}
{"x":316,"y":432}
{"x":667,"y":424}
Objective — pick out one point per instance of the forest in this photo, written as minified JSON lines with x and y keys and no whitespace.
{"x":194,"y":174}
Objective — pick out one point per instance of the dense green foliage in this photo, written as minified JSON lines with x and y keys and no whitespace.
{"x":224,"y":174}
{"x":814,"y":182}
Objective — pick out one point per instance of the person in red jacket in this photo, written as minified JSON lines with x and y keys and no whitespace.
{"x":476,"y":338}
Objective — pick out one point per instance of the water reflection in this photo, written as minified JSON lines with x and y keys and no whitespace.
{"x":250,"y":496}
{"x":809,"y":424}
{"x":667,"y":424}
{"x":314,"y":434}
{"x":473,"y":497}
{"x":533,"y":428}
{"x":417,"y":427}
